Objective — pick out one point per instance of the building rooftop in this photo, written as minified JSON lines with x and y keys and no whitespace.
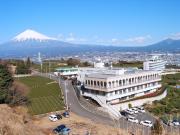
{"x":103,"y":75}
{"x":66,"y":68}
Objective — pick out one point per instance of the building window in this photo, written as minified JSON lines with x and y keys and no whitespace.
{"x":132,"y":80}
{"x":119,"y":82}
{"x":120,"y":91}
{"x":109,"y":84}
{"x":94,"y":83}
{"x":124,"y":90}
{"x":113,"y":83}
{"x":101,"y":84}
{"x":91,"y":82}
{"x":105,"y":84}
{"x":116,"y":82}
{"x":129,"y":80}
{"x":123,"y":82}
{"x":97,"y":83}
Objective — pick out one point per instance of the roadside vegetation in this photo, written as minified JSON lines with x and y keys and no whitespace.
{"x":21,"y":66}
{"x":44,"y":95}
{"x":137,"y":64}
{"x":51,"y":65}
{"x":169,"y":107}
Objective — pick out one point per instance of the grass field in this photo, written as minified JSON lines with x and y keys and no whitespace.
{"x":44,"y":95}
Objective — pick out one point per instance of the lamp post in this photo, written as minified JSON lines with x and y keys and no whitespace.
{"x":66,"y":94}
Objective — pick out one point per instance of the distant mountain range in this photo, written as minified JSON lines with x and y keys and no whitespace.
{"x":29,"y":43}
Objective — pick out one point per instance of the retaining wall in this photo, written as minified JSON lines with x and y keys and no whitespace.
{"x":140,"y":102}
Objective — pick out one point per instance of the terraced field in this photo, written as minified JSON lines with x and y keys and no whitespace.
{"x":44,"y":96}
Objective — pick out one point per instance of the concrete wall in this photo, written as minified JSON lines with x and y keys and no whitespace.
{"x":140,"y":102}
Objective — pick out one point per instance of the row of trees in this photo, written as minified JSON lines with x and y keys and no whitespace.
{"x":23,"y":67}
{"x":77,"y":62}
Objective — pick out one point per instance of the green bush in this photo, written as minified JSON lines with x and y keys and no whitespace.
{"x":130,"y":105}
{"x":163,"y":102}
{"x":156,"y":111}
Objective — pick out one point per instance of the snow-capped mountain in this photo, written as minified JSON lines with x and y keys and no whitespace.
{"x":31,"y":35}
{"x":30,"y":42}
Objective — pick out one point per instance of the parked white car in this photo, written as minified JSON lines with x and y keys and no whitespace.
{"x":176,"y":123}
{"x":146,"y":123}
{"x":129,"y":111}
{"x":53,"y":118}
{"x":134,"y":109}
{"x":141,"y":109}
{"x":132,"y":119}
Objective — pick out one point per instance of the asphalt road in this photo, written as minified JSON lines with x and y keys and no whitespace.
{"x":76,"y":107}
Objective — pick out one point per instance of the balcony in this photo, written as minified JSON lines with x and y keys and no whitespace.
{"x":108,"y":89}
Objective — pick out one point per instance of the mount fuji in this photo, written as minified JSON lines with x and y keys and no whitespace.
{"x":30,"y":42}
{"x":31,"y":35}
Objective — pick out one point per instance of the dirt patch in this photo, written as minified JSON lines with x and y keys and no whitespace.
{"x":16,"y":121}
{"x":78,"y":126}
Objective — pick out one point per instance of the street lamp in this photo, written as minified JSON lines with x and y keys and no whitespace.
{"x":66,"y":94}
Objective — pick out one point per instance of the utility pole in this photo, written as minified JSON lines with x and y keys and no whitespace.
{"x":49,"y":66}
{"x":66,"y":94}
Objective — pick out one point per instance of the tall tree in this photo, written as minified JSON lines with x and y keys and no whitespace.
{"x":28,"y":63}
{"x":6,"y":81}
{"x":73,"y":62}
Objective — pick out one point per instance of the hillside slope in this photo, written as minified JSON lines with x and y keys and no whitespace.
{"x":15,"y":121}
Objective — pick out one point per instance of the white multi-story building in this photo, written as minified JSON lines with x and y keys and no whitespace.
{"x":155,"y":63}
{"x":111,"y":86}
{"x":66,"y":72}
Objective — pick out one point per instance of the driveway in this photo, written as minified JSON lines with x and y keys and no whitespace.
{"x":76,"y":107}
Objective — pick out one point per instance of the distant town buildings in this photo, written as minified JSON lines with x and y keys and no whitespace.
{"x":155,"y":63}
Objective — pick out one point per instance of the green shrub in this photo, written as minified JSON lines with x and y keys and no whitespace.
{"x":130,"y":105}
{"x":163,"y":102}
{"x":156,"y":111}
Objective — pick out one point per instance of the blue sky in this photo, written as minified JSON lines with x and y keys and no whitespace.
{"x":114,"y":22}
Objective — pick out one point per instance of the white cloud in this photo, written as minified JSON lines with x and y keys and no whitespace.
{"x":60,"y":36}
{"x":140,"y":39}
{"x":71,"y":38}
{"x":175,"y":36}
{"x":114,"y":40}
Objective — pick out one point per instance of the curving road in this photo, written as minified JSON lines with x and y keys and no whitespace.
{"x":76,"y":107}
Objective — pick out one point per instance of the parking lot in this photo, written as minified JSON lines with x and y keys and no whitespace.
{"x":136,"y":127}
